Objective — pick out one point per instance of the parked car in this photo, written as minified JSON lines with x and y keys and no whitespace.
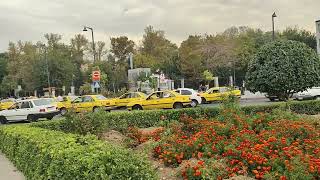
{"x":123,"y":100}
{"x":92,"y":103}
{"x":217,"y":94}
{"x":65,"y":104}
{"x":30,"y":109}
{"x":194,"y":95}
{"x":313,"y":93}
{"x":6,"y":103}
{"x":161,"y":100}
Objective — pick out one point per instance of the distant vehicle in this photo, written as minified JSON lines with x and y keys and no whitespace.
{"x":65,"y":104}
{"x":6,"y":103}
{"x":217,"y":94}
{"x":313,"y":93}
{"x":161,"y":100}
{"x":30,"y":109}
{"x":92,"y":103}
{"x":194,"y":95}
{"x":123,"y":100}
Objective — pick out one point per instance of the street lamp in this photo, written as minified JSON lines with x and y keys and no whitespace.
{"x":47,"y":68}
{"x":273,"y":16}
{"x":85,"y":28}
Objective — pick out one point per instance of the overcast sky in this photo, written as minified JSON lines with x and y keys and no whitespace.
{"x":28,"y":20}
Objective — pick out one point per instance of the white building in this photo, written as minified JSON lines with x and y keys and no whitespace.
{"x":318,"y":35}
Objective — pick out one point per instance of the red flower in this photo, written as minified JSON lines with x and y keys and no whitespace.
{"x":197,"y":173}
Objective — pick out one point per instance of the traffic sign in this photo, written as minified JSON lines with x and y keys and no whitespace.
{"x":95,"y":75}
{"x":96,"y":85}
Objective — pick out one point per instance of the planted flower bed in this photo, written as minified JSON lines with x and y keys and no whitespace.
{"x":261,"y":147}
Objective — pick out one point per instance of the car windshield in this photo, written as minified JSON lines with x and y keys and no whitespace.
{"x":100,"y":97}
{"x":43,"y":102}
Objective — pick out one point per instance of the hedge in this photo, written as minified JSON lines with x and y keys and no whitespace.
{"x":44,"y":154}
{"x":95,"y":123}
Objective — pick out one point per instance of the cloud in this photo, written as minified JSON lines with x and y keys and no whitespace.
{"x":30,"y":19}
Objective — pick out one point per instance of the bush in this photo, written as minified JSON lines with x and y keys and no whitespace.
{"x":282,"y":68}
{"x":95,"y":123}
{"x":46,"y":154}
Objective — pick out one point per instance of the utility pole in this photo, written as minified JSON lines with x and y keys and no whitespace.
{"x":48,"y":72}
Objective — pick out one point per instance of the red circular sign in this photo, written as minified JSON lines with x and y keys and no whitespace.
{"x":96,"y":75}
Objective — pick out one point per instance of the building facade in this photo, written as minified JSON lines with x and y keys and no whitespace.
{"x":318,"y":35}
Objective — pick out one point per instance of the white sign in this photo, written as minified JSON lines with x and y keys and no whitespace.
{"x":96,"y":85}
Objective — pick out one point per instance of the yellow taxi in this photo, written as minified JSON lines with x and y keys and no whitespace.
{"x":65,"y":103}
{"x":217,"y":94}
{"x":6,"y":103}
{"x":123,"y":100}
{"x":160,"y":100}
{"x":92,"y":103}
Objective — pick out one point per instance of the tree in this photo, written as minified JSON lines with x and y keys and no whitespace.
{"x":190,"y":60}
{"x":101,"y":50}
{"x":208,"y":76}
{"x":296,"y":34}
{"x":121,"y":47}
{"x":282,"y":68}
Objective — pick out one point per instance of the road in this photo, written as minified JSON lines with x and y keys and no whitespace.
{"x":245,"y":102}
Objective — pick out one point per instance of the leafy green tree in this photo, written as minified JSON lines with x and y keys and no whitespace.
{"x":190,"y":60}
{"x":121,"y":47}
{"x":3,"y":65}
{"x":208,"y":76}
{"x":282,"y":68}
{"x":296,"y":34}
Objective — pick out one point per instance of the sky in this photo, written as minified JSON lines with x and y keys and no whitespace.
{"x":29,"y":20}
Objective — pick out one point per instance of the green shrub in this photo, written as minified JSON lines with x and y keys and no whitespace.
{"x":46,"y":154}
{"x":95,"y":123}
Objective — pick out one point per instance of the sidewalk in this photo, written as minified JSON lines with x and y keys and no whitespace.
{"x":8,"y":171}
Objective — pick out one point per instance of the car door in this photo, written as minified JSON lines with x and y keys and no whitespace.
{"x":213,"y":95}
{"x":76,"y":104}
{"x":123,"y":100}
{"x":166,"y":101}
{"x":152,"y":101}
{"x":224,"y":92}
{"x":135,"y":96}
{"x":87,"y":104}
{"x":24,"y":110}
{"x":12,"y":113}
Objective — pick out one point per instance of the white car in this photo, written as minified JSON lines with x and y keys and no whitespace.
{"x":313,"y":93}
{"x":194,"y":95}
{"x":30,"y":109}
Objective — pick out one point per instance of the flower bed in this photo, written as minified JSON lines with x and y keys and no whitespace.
{"x":260,"y":146}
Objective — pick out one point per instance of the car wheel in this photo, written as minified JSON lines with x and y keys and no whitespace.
{"x":63,"y":111}
{"x":272,"y":99}
{"x":194,"y":103}
{"x":317,"y":98}
{"x":31,"y":118}
{"x":3,"y":120}
{"x":137,"y":107}
{"x":204,"y":101}
{"x":177,"y":106}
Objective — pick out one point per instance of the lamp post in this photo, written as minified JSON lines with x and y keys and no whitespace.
{"x":47,"y":68}
{"x":85,"y":28}
{"x":273,"y":16}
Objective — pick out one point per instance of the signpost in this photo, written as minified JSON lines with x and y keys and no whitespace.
{"x":96,"y":80}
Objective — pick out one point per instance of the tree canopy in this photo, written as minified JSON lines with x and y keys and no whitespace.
{"x":222,"y":54}
{"x":283,"y":67}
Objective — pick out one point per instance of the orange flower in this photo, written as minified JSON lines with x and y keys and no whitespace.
{"x":197,"y":173}
{"x":283,"y":178}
